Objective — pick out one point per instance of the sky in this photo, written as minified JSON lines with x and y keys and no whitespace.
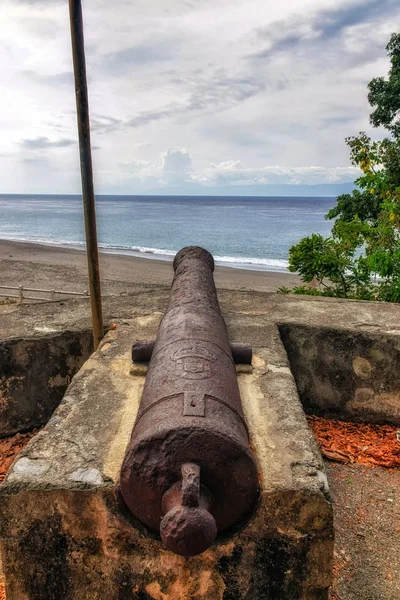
{"x":190,"y":96}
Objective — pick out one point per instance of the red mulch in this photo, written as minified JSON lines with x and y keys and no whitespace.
{"x":371,"y":445}
{"x":363,"y":443}
{"x":338,"y":564}
{"x":9,"y":448}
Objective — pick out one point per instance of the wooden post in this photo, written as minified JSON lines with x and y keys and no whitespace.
{"x":82,"y":109}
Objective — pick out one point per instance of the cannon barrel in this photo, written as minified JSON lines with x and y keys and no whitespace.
{"x":188,"y":471}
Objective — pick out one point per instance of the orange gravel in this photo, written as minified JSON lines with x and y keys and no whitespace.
{"x":364,"y":443}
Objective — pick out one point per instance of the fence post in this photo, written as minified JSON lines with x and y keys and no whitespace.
{"x":20,"y":294}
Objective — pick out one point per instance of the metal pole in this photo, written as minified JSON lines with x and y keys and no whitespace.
{"x":82,"y":109}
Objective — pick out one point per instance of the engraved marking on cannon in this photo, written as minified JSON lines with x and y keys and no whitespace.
{"x":194,"y":362}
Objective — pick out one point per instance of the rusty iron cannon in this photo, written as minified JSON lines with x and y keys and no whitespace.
{"x":188,"y":471}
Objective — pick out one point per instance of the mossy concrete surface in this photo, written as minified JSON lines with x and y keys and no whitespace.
{"x":65,"y":533}
{"x":73,"y":315}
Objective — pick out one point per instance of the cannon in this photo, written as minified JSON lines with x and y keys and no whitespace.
{"x":189,"y":471}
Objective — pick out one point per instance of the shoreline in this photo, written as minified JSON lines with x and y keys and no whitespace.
{"x":245,"y":263}
{"x":53,"y":266}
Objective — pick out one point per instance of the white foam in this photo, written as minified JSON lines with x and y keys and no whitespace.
{"x":261,"y":262}
{"x":238,"y":262}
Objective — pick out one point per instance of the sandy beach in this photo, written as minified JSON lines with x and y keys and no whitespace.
{"x":52,"y":267}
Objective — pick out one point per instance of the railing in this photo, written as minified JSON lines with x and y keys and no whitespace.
{"x":21,"y":296}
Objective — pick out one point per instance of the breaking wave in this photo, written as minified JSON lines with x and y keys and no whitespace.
{"x":239,"y":262}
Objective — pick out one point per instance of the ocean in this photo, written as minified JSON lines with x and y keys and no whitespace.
{"x":243,"y":232}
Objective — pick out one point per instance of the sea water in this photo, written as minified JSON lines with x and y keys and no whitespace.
{"x":243,"y":232}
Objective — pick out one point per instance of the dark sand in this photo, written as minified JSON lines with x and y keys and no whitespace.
{"x":35,"y":265}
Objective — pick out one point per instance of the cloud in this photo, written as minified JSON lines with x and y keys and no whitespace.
{"x":215,"y":89}
{"x":128,"y":60}
{"x":176,"y":160}
{"x":104,"y":123}
{"x":176,"y":165}
{"x":211,"y":94}
{"x":141,"y":169}
{"x":148,"y":116}
{"x":236,"y":173}
{"x":38,"y":2}
{"x":43,"y":143}
{"x":239,"y":93}
{"x":332,"y":23}
{"x":309,"y":34}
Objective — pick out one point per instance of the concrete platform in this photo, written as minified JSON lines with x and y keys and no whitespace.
{"x":65,"y":533}
{"x":344,"y":355}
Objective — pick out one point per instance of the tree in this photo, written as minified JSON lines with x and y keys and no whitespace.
{"x":361,"y":259}
{"x":384,"y":95}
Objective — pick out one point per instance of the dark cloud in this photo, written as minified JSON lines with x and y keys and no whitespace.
{"x":148,"y":116}
{"x":42,"y":143}
{"x":331,"y":23}
{"x":303,"y":33}
{"x":214,"y":93}
{"x":222,"y":91}
{"x":104,"y":123}
{"x":156,"y":50}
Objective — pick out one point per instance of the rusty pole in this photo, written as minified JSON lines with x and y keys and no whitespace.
{"x":82,"y":110}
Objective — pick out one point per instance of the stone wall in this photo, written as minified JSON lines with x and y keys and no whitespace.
{"x":349,"y":375}
{"x":34,"y":375}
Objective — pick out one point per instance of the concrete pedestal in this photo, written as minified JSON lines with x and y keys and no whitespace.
{"x":65,"y":533}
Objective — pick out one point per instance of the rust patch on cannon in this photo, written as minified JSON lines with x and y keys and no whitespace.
{"x":189,"y":471}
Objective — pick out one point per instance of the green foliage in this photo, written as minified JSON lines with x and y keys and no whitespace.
{"x":361,"y":259}
{"x":319,"y":258}
{"x":384,"y":95}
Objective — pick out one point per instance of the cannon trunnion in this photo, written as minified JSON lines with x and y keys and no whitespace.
{"x":189,"y":471}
